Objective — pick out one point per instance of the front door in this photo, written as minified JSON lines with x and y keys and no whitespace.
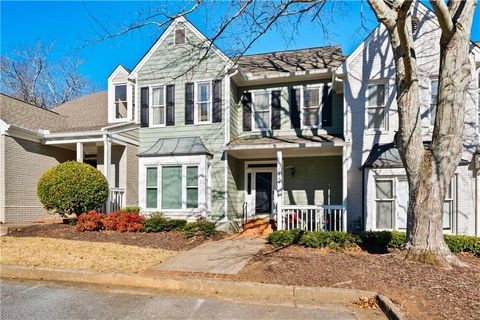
{"x":263,"y":193}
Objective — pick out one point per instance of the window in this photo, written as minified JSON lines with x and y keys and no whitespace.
{"x":433,"y":100}
{"x":152,"y":187}
{"x":179,"y":36}
{"x":192,"y":187}
{"x":261,"y":110}
{"x":391,"y":197}
{"x":385,"y":204}
{"x":121,"y":101}
{"x":311,"y":107}
{"x":158,"y":105}
{"x":172,"y":187}
{"x":178,"y":186}
{"x":376,"y":106}
{"x":204,"y":102}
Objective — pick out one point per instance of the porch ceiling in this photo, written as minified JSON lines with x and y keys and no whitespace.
{"x":292,"y":146}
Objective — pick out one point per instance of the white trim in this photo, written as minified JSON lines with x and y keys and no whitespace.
{"x":84,"y":140}
{"x":150,"y":106}
{"x":2,"y":174}
{"x":250,"y":199}
{"x":164,"y":36}
{"x":195,"y":102}
{"x":117,"y":70}
{"x":3,"y":126}
{"x":124,"y":140}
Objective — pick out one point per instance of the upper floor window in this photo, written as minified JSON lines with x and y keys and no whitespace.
{"x":158,"y":105}
{"x":311,"y":115}
{"x":203,"y":106}
{"x":376,"y":106}
{"x":120,"y":102}
{"x":179,"y":36}
{"x":261,"y":110}
{"x":433,"y":100}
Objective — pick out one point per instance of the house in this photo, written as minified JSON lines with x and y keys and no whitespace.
{"x":303,"y":138}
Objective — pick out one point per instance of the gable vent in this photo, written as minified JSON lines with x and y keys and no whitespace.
{"x":414,"y":24}
{"x":179,"y":36}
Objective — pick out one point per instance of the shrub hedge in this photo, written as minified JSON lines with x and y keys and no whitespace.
{"x":380,"y":239}
{"x":158,"y":223}
{"x":200,"y":227}
{"x":117,"y":221}
{"x":72,"y":187}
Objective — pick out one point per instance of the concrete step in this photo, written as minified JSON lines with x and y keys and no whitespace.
{"x":257,"y":227}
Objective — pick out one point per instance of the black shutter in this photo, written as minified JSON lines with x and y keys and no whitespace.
{"x":327,"y":105}
{"x":276,"y":109}
{"x":247,"y":111}
{"x":144,"y":107}
{"x":189,"y":103}
{"x":217,"y":101}
{"x":170,"y":112}
{"x":294,"y":107}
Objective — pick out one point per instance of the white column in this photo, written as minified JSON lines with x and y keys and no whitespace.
{"x":79,"y":152}
{"x":345,"y":152}
{"x":107,"y":151}
{"x":279,"y":197}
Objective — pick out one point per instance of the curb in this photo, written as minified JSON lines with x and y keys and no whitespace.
{"x":389,"y":308}
{"x":296,"y":296}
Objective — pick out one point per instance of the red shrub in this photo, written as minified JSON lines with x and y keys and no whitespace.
{"x":90,"y":221}
{"x":131,"y":222}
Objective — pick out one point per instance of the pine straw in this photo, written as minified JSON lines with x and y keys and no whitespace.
{"x":81,"y":255}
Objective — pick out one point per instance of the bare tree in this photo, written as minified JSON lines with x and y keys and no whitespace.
{"x":30,"y":75}
{"x":429,"y":170}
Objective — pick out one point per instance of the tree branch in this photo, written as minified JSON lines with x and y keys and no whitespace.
{"x":384,"y":13}
{"x":443,"y":17}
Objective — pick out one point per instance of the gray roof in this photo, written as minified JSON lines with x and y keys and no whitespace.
{"x":28,"y":116}
{"x":86,"y":113}
{"x":271,"y":141}
{"x":176,"y":147}
{"x":387,"y":156}
{"x":292,"y":60}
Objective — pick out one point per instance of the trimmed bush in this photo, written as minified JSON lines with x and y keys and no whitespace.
{"x":158,"y":223}
{"x":72,"y":187}
{"x":199,"y":228}
{"x":129,"y":222}
{"x":131,"y":209}
{"x":369,"y":239}
{"x":90,"y":221}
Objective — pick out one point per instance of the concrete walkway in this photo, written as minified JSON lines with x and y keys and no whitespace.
{"x":227,"y":256}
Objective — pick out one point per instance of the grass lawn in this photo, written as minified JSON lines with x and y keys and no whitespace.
{"x":81,"y":255}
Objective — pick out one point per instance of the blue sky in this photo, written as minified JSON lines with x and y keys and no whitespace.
{"x":68,"y":25}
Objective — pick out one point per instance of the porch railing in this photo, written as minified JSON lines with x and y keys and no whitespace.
{"x":314,"y":218}
{"x":115,"y":201}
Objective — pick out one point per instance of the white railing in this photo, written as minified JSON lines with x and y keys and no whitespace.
{"x":116,"y":199}
{"x":314,"y":218}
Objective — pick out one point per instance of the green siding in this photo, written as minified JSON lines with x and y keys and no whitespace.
{"x":170,"y":64}
{"x":236,"y":189}
{"x":286,"y":129}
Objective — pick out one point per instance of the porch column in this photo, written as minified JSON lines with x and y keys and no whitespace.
{"x":107,"y":151}
{"x":79,"y":152}
{"x":345,"y":151}
{"x":279,"y":198}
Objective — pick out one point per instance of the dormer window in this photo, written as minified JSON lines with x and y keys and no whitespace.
{"x":179,"y":36}
{"x":120,"y":102}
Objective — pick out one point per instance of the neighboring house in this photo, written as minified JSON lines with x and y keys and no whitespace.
{"x":33,"y":140}
{"x":303,"y":137}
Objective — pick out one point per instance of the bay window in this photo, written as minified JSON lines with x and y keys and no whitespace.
{"x":152,"y":187}
{"x":192,"y":187}
{"x":376,"y":106}
{"x":384,"y":203}
{"x":158,"y":105}
{"x":261,"y":110}
{"x":203,"y":103}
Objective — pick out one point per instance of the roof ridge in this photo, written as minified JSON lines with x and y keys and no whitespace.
{"x":290,"y":50}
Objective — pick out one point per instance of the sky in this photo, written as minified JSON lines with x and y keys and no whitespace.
{"x":72,"y":26}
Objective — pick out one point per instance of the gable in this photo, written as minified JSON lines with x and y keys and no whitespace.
{"x":195,"y":47}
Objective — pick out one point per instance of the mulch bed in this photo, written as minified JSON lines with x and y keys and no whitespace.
{"x":162,"y":240}
{"x":422,"y":291}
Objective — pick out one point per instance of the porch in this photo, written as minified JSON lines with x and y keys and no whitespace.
{"x":293,"y":183}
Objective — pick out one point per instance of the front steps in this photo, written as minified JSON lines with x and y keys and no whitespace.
{"x":257,"y":227}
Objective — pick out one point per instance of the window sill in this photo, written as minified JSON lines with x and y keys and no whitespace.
{"x":370,"y":132}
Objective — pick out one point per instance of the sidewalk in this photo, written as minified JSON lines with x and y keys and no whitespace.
{"x":225,"y":257}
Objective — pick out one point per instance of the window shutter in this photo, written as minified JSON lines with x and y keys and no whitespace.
{"x":144,"y":107}
{"x":294,"y":107}
{"x":327,"y":105}
{"x":217,"y":101}
{"x":247,"y":111}
{"x":276,"y":109}
{"x":170,"y":111}
{"x":189,"y":103}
